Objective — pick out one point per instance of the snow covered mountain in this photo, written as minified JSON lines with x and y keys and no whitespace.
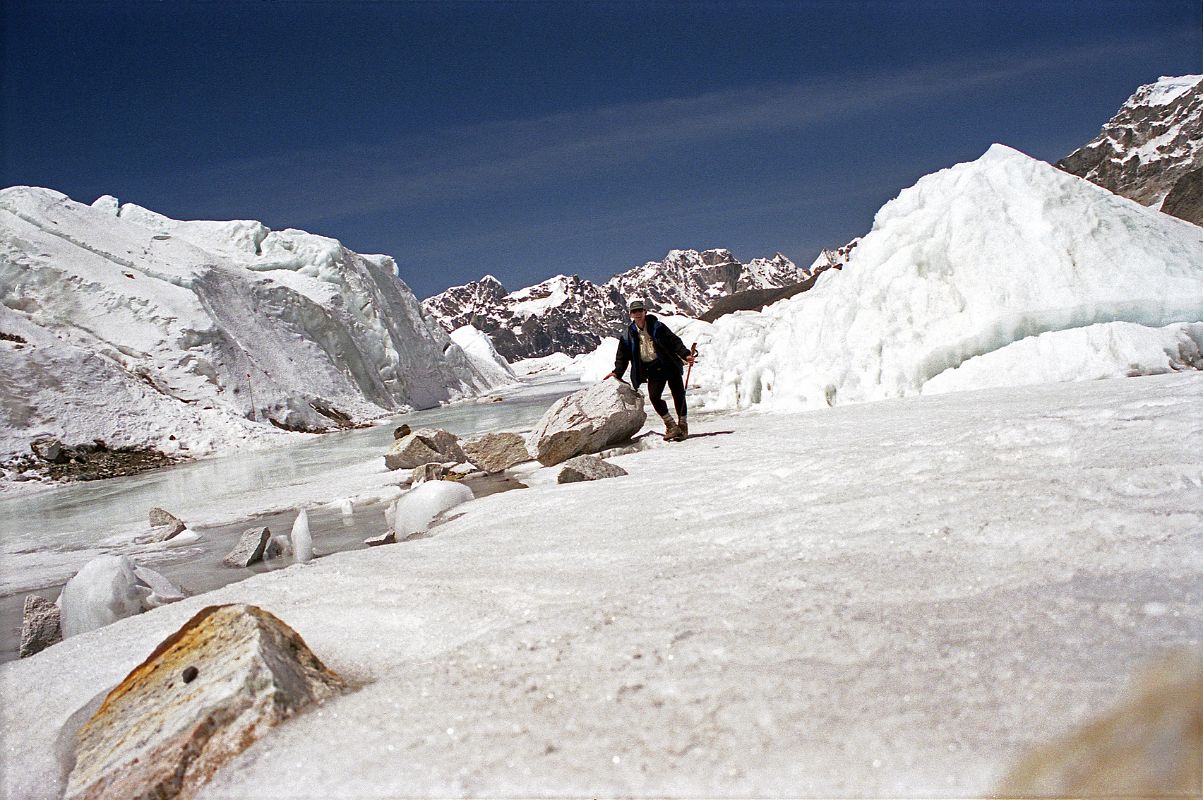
{"x":567,"y":314}
{"x":1152,"y":149}
{"x":1002,"y":271}
{"x":185,"y":337}
{"x":564,"y":314}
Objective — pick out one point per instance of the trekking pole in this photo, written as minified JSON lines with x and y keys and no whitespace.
{"x":693,"y":351}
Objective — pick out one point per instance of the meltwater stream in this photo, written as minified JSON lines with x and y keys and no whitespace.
{"x":45,"y":537}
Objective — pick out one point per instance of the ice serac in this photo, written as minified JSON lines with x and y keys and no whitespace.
{"x":968,"y":261}
{"x":191,"y":336}
{"x":1152,"y":150}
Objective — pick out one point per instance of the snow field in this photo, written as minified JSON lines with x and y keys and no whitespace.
{"x":882,"y":599}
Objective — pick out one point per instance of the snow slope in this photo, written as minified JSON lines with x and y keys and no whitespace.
{"x":736,"y":617}
{"x":480,"y":351}
{"x":201,"y":331}
{"x":968,"y":263}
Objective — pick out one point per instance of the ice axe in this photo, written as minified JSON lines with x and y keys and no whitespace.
{"x":693,"y":351}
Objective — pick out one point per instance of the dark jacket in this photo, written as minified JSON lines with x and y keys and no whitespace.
{"x":671,"y":352}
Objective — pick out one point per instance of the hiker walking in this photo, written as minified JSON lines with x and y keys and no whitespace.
{"x":656,"y":356}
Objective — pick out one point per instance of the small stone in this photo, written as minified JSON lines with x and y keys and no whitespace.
{"x":162,"y":591}
{"x":388,"y":537}
{"x":161,"y":519}
{"x":588,"y":468}
{"x":51,"y":450}
{"x":163,"y":534}
{"x":204,"y":695}
{"x":401,"y":432}
{"x":277,"y":547}
{"x":428,"y":472}
{"x":249,"y":549}
{"x":496,"y":452}
{"x":40,"y":625}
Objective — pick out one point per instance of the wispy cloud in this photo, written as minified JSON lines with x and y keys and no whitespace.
{"x":491,"y":158}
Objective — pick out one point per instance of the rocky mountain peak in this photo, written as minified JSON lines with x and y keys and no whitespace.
{"x":569,"y":314}
{"x":1151,"y":151}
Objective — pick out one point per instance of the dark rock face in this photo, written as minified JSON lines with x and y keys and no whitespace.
{"x":756,"y":299}
{"x":567,"y":314}
{"x":1185,"y":200}
{"x":1149,"y":147}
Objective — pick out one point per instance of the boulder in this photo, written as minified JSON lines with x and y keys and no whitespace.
{"x":388,"y":537}
{"x":495,"y":452}
{"x":1148,"y":746}
{"x":433,"y":471}
{"x":401,"y":431}
{"x":587,"y":421}
{"x":587,"y":468}
{"x":161,"y":519}
{"x":422,"y":447}
{"x":249,"y":548}
{"x":204,"y":695}
{"x":40,"y":625}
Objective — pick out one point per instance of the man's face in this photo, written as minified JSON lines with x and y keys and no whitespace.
{"x":638,"y":316}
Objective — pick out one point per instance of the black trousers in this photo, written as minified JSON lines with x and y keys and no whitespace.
{"x":657,"y":378}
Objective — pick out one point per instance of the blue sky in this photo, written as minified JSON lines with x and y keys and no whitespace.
{"x":529,"y":139}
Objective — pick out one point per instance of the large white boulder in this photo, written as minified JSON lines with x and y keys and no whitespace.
{"x":102,"y":592}
{"x":587,"y":421}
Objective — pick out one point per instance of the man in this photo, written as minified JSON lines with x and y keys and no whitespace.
{"x":656,"y":356}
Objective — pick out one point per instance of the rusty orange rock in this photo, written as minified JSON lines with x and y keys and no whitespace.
{"x":204,"y":695}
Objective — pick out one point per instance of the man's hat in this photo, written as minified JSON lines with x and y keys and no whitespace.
{"x":636,"y":305}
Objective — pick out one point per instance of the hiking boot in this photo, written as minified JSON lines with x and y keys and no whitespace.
{"x":683,"y":427}
{"x":671,"y":431}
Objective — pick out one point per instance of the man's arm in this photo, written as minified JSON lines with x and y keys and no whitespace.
{"x":621,"y":359}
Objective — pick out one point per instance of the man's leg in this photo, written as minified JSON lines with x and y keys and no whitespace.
{"x":655,"y":390}
{"x":677,"y":386}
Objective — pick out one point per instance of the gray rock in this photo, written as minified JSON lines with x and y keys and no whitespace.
{"x":40,"y":626}
{"x":161,"y":519}
{"x":163,"y":534}
{"x":204,"y":695}
{"x":388,"y":537}
{"x":587,"y":421}
{"x":51,"y":450}
{"x":433,"y":471}
{"x":249,"y":549}
{"x":496,"y":452}
{"x":162,"y":591}
{"x":422,"y":447}
{"x":588,"y":468}
{"x":277,"y":547}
